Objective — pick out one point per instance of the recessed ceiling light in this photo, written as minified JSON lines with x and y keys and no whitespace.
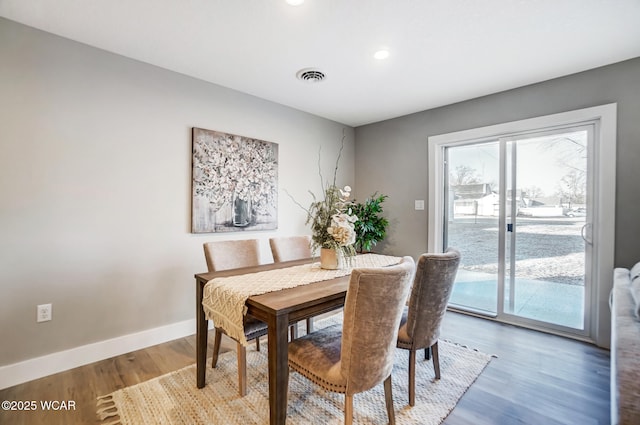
{"x":295,"y":2}
{"x":381,"y":54}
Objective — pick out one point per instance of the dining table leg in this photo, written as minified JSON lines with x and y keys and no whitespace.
{"x":202,"y":333}
{"x":278,"y":369}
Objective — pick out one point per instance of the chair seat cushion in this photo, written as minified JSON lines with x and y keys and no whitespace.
{"x":319,"y":352}
{"x":254,"y":328}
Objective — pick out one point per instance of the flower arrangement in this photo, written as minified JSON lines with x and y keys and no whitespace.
{"x":332,"y":219}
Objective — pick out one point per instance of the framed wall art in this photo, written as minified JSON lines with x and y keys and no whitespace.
{"x":234,"y":183}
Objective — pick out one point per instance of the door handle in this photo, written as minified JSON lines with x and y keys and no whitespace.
{"x":583,"y":233}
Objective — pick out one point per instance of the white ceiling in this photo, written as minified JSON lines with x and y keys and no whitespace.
{"x":441,"y":51}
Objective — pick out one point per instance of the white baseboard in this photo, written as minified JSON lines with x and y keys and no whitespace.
{"x":28,"y":370}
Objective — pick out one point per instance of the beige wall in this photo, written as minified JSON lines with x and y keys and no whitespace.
{"x":95,"y":190}
{"x":95,"y":165}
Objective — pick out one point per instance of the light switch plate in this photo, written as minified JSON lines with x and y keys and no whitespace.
{"x":44,"y":313}
{"x":419,"y":204}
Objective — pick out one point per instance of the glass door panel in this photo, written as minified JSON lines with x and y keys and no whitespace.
{"x":545,"y":253}
{"x":472,"y":224}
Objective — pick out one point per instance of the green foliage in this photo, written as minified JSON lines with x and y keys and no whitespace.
{"x":370,"y":227}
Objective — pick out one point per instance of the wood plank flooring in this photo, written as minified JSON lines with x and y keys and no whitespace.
{"x":536,"y":379}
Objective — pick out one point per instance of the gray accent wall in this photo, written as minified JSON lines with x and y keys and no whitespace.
{"x":95,"y":188}
{"x":391,"y":156}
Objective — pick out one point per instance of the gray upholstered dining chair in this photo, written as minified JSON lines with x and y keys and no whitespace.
{"x":358,"y":355}
{"x":421,"y":319}
{"x":224,"y":255}
{"x":288,"y":248}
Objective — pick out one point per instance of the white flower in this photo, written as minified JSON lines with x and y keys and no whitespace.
{"x":226,"y":163}
{"x":342,"y":229}
{"x":343,"y":235}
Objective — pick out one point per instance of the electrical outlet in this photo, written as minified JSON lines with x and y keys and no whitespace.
{"x":44,"y":313}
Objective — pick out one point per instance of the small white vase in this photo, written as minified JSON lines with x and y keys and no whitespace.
{"x":330,"y":259}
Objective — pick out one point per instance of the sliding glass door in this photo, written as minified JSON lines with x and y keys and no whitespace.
{"x":518,"y":208}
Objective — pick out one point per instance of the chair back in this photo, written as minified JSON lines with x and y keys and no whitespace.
{"x":373,"y":308}
{"x":432,"y":286}
{"x":224,"y":255}
{"x":290,"y":248}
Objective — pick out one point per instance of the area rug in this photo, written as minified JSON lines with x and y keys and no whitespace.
{"x":173,"y":399}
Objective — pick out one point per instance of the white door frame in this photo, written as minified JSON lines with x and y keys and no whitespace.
{"x":604,"y":173}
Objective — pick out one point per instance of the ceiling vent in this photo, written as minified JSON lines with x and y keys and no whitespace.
{"x":310,"y":75}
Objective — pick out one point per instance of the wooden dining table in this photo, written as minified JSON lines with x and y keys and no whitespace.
{"x":278,"y":310}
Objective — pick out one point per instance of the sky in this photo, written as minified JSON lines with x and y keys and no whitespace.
{"x":542,"y":160}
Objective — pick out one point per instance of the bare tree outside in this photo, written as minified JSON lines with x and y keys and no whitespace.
{"x":464,"y":174}
{"x":571,"y":153}
{"x":532,"y":192}
{"x":571,"y":188}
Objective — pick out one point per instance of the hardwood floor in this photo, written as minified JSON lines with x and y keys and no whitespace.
{"x":536,"y":379}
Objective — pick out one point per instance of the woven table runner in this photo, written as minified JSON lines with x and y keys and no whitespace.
{"x":224,"y":297}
